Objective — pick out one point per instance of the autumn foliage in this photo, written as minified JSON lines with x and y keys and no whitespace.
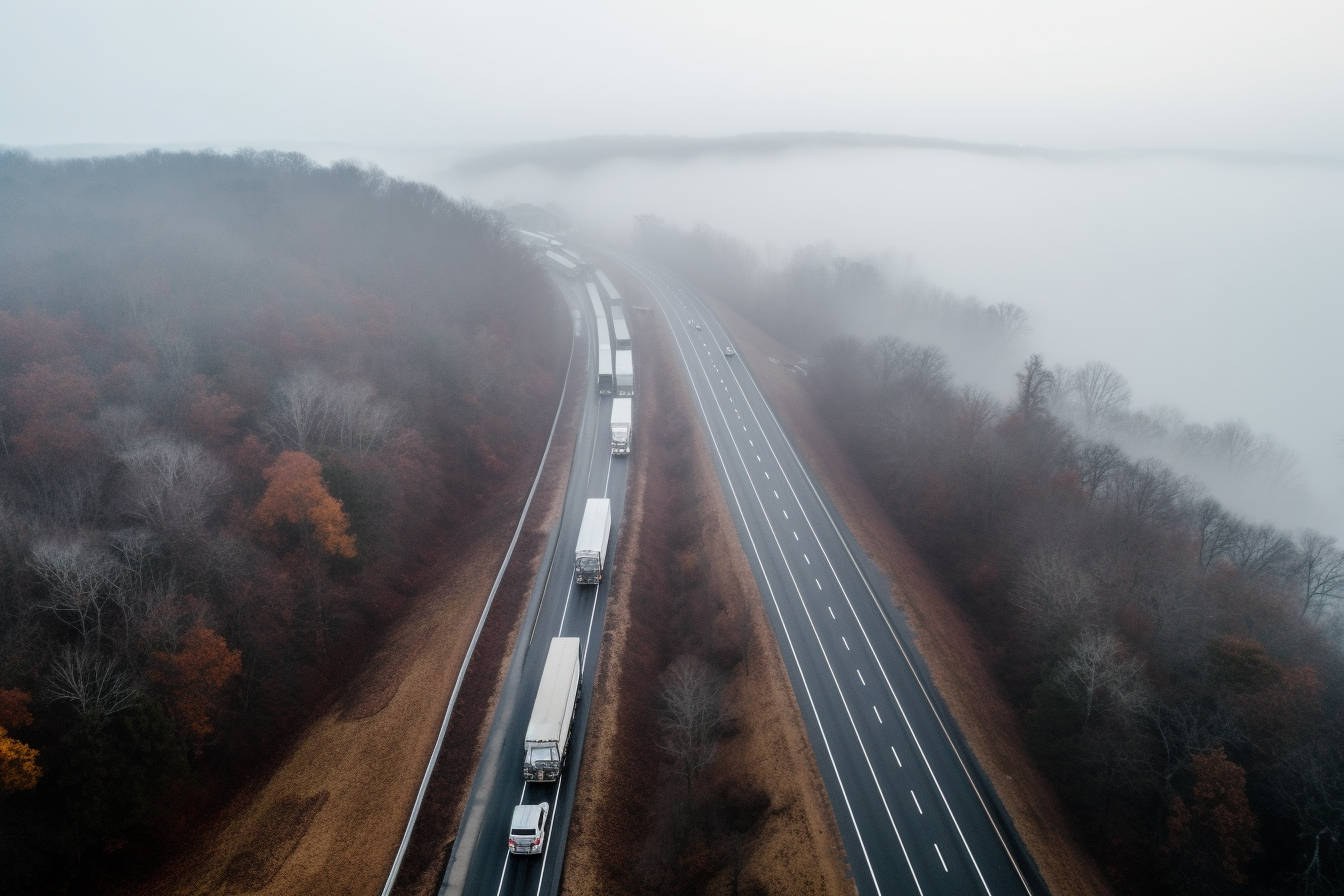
{"x":194,"y":679}
{"x":243,"y":414}
{"x":18,"y":764}
{"x":295,"y":493}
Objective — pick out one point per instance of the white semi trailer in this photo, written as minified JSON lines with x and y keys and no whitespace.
{"x":548,"y":729}
{"x":590,"y":552}
{"x":625,"y":372}
{"x":622,"y":425}
{"x":611,"y":289}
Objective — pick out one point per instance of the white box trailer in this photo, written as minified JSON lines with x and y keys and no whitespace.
{"x":605,"y":379}
{"x":548,"y":730}
{"x":604,"y":369}
{"x":590,"y":552}
{"x":625,"y":372}
{"x":622,"y":425}
{"x":611,"y":290}
{"x":622,"y":331}
{"x":567,"y":267}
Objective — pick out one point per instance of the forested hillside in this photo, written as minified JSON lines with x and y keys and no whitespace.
{"x":246,"y":402}
{"x":1177,"y":668}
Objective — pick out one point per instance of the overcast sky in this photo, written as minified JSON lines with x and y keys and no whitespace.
{"x":1208,"y":73}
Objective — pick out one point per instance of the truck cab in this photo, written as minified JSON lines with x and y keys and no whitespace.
{"x":527,"y":830}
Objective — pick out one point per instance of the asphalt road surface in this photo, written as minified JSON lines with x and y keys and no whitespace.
{"x":480,"y":862}
{"x":915,"y":813}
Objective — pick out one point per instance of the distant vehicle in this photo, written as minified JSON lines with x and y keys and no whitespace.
{"x":697,"y":328}
{"x":528,"y":829}
{"x":622,"y":429}
{"x":729,"y":350}
{"x":590,"y":551}
{"x":547,"y":741}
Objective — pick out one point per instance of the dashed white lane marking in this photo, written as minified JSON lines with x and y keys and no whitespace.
{"x":758,"y":458}
{"x":786,"y":514}
{"x":898,"y":758}
{"x":940,"y":855}
{"x":751,"y":443}
{"x":832,"y":612}
{"x":879,"y":716}
{"x":916,"y":799}
{"x":795,"y":536}
{"x":861,"y":681}
{"x":809,"y":562}
{"x":767,"y":475}
{"x":846,"y":640}
{"x":776,"y":494}
{"x":818,"y":581}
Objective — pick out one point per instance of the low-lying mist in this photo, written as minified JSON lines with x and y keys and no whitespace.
{"x":1213,"y":285}
{"x":1215,"y":289}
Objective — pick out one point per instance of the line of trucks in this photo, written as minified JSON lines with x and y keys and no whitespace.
{"x":550,"y":727}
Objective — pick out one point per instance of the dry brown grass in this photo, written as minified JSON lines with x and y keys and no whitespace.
{"x":945,"y":638}
{"x":796,"y":850}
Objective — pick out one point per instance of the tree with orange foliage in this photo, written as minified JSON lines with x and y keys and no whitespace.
{"x":295,"y":493}
{"x":1215,"y":836}
{"x":18,"y":761}
{"x":18,"y":764}
{"x":194,"y":678}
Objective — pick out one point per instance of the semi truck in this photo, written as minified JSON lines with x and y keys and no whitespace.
{"x":622,"y":425}
{"x":625,"y":372}
{"x":590,"y":552}
{"x":547,"y":741}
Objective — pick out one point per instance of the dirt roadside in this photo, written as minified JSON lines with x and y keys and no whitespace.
{"x":797,"y":848}
{"x":944,"y":637}
{"x":331,"y":816}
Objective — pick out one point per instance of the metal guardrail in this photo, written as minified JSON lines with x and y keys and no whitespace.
{"x":480,"y":625}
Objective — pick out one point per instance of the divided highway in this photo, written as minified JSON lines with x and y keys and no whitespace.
{"x":914,"y":812}
{"x":480,"y":862}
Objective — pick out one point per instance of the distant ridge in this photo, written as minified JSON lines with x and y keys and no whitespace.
{"x":579,"y":153}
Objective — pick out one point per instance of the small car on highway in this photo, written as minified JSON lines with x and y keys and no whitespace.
{"x":528,"y":829}
{"x":729,"y":351}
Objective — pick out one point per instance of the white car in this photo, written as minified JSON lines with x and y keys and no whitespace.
{"x":527,"y":831}
{"x":729,"y":351}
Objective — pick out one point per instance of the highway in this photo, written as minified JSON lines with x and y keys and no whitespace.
{"x":914,"y":812}
{"x":480,"y":862}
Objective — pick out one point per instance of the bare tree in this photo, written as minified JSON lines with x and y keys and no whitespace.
{"x":1035,"y":388}
{"x":172,"y":486}
{"x":296,"y":410}
{"x":693,"y":714}
{"x":1319,"y":572}
{"x":1217,"y":531}
{"x":311,"y":410}
{"x":1102,"y":394}
{"x":1262,"y":551}
{"x":81,"y":584}
{"x":1054,"y":592}
{"x":1100,"y":677}
{"x":90,"y":680}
